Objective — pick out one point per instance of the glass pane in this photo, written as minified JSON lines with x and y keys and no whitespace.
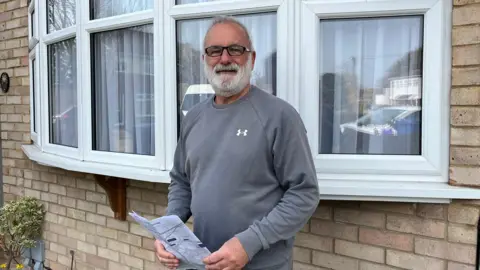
{"x":32,"y":23}
{"x":108,"y":8}
{"x":371,"y":86}
{"x":182,"y":2}
{"x":192,"y":83}
{"x":123,"y":111}
{"x":60,"y":14}
{"x":62,"y":70}
{"x":34,"y":97}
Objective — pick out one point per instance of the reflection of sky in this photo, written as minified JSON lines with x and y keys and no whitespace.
{"x":262,"y":28}
{"x":370,"y":47}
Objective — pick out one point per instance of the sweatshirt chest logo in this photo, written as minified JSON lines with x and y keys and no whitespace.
{"x":242,"y":132}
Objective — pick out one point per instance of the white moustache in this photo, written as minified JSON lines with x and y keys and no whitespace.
{"x":230,"y":67}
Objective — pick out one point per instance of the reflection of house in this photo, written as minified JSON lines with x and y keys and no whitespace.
{"x":402,"y":91}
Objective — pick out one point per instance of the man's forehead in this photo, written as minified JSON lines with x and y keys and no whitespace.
{"x":226,"y":33}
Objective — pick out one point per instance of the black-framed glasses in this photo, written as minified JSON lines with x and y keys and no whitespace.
{"x":233,"y":50}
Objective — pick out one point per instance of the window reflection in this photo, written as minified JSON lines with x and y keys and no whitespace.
{"x":108,"y":8}
{"x":60,"y":14}
{"x":371,"y":86}
{"x":62,"y":91}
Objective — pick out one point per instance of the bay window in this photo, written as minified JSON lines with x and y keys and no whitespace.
{"x":370,"y":80}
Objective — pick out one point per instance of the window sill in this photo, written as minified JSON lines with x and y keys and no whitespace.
{"x":71,"y":164}
{"x":428,"y":192}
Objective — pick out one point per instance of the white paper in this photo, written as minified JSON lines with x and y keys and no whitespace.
{"x":177,"y":238}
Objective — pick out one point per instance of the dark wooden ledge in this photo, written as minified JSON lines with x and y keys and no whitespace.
{"x":116,"y":189}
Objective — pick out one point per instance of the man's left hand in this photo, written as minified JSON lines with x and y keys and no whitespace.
{"x":231,"y":256}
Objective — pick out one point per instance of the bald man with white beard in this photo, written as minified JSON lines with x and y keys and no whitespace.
{"x":243,"y":166}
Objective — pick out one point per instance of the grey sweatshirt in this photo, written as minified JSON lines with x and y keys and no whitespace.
{"x":245,"y":169}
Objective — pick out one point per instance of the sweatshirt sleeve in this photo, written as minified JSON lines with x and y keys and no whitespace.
{"x":295,"y":170}
{"x":179,"y":195}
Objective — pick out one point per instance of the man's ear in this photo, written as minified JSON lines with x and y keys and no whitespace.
{"x":254,"y":56}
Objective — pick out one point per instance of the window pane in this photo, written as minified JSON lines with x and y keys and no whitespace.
{"x":108,"y":8}
{"x":34,"y":97}
{"x":62,"y":65}
{"x":193,"y":85}
{"x":371,"y":86}
{"x":123,"y":114}
{"x":60,"y":14}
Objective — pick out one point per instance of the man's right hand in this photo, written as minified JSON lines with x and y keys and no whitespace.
{"x":166,"y":258}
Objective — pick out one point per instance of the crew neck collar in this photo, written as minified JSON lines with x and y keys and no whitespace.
{"x":236,"y":102}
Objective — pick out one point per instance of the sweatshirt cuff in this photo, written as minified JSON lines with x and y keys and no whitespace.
{"x":250,"y":242}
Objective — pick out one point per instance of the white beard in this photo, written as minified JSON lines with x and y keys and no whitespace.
{"x":226,"y":85}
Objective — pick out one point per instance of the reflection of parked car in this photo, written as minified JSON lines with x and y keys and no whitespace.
{"x":64,"y":126}
{"x":195,"y":94}
{"x":388,"y":130}
{"x":387,"y":121}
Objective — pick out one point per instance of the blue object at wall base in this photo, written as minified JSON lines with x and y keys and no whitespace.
{"x":34,"y":257}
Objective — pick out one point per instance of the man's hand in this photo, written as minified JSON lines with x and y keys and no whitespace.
{"x":165,"y":258}
{"x":231,"y":256}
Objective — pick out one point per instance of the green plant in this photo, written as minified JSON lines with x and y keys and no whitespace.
{"x":21,"y":223}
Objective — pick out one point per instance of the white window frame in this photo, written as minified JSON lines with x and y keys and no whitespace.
{"x":89,"y":27}
{"x":34,"y":77}
{"x":432,"y":165}
{"x":35,"y":120}
{"x":32,"y":39}
{"x":49,"y":39}
{"x":284,"y":13}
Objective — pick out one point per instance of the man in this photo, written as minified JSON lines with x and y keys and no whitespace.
{"x":242,"y":167}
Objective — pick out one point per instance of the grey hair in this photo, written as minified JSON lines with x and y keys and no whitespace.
{"x":232,"y":20}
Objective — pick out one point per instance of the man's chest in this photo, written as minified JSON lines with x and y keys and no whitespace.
{"x":225,"y":142}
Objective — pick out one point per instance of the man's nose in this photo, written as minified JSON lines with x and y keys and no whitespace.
{"x":225,"y":57}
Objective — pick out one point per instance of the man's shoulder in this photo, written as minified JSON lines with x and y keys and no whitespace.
{"x":195,"y":112}
{"x":273,"y":107}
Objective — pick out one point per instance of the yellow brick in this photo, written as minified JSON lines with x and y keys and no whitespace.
{"x":465,"y":15}
{"x":129,"y":238}
{"x":314,"y":242}
{"x":67,"y":222}
{"x":118,"y":246}
{"x":58,"y":249}
{"x":131,"y":261}
{"x":463,"y":214}
{"x":414,"y":225}
{"x":97,"y":219}
{"x":460,"y":233}
{"x":97,"y":240}
{"x":106,"y":232}
{"x":108,"y":254}
{"x":302,"y":254}
{"x":87,"y":248}
{"x":332,"y":261}
{"x":412,"y":261}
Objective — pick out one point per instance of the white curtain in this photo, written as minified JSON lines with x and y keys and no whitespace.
{"x":124,"y":91}
{"x":190,"y":35}
{"x":62,"y":60}
{"x":108,"y":8}
{"x":360,"y":58}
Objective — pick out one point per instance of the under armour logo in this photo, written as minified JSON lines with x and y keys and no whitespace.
{"x":240,"y":132}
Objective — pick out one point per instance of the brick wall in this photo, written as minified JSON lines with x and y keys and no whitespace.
{"x":341,"y":235}
{"x":465,"y":94}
